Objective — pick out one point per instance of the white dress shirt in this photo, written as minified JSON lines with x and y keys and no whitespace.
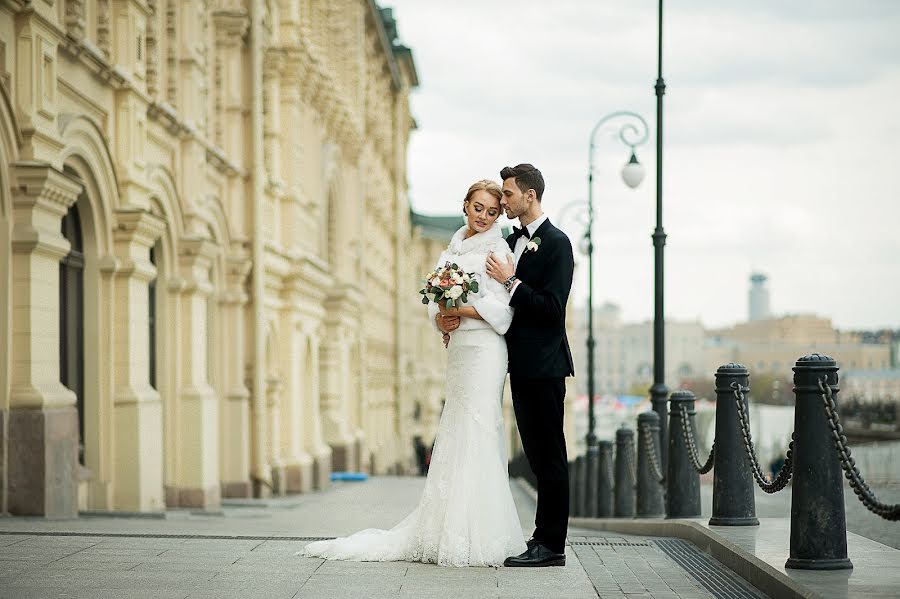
{"x":522,"y":241}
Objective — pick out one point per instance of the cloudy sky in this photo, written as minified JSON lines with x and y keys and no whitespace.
{"x":782,"y":133}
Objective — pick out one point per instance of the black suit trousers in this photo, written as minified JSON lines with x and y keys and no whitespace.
{"x":538,"y":404}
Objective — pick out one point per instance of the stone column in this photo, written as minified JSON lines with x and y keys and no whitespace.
{"x":273,"y":68}
{"x":235,"y":417}
{"x":317,"y":447}
{"x":337,"y":382}
{"x":231,"y":26}
{"x":298,"y":463}
{"x":137,"y":410}
{"x":273,"y":408}
{"x":197,"y":479}
{"x":359,"y":399}
{"x":43,"y":419}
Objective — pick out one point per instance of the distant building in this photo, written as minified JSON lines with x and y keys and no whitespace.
{"x":871,"y":385}
{"x":623,"y":353}
{"x":759,"y":297}
{"x":771,"y":346}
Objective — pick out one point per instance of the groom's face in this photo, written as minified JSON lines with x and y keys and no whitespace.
{"x":514,"y":201}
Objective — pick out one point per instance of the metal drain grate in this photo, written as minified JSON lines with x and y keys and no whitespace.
{"x":608,"y":543}
{"x":141,"y":535}
{"x":721,"y":582}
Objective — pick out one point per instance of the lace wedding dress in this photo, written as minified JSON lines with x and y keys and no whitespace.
{"x":466,"y":515}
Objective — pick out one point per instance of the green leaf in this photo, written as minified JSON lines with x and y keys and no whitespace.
{"x":425,"y":300}
{"x":450,"y":303}
{"x":473,"y":287}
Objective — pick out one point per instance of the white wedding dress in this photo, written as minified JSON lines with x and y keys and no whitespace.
{"x":466,"y":515}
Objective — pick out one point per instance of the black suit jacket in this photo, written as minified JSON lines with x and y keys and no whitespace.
{"x":536,"y":340}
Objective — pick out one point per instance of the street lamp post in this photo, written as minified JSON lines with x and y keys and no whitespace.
{"x":659,"y":392}
{"x":632,"y":133}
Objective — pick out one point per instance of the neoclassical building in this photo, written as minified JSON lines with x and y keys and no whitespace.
{"x":208,"y":263}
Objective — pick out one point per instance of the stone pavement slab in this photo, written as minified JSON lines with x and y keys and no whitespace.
{"x":249,"y":551}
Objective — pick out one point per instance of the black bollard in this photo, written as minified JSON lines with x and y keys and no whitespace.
{"x":649,"y":501}
{"x":682,"y":480}
{"x":591,"y":464}
{"x":733,"y":503}
{"x":818,"y":521}
{"x":624,"y":495}
{"x":578,"y":486}
{"x":605,"y":480}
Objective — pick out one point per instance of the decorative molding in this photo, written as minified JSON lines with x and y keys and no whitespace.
{"x":138,"y":225}
{"x":103,"y":26}
{"x":152,"y":50}
{"x":75,"y":23}
{"x":40,"y":184}
{"x":232,"y":26}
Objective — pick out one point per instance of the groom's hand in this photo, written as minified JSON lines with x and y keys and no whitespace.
{"x":499,"y":270}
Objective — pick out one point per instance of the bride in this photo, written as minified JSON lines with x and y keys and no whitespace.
{"x":466,"y":515}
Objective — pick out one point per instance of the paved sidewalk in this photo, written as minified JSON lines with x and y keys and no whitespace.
{"x":248,"y":550}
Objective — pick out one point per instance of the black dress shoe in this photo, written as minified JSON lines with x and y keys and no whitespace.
{"x":536,"y":556}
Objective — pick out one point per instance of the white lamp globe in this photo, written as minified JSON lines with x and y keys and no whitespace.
{"x":633,"y":172}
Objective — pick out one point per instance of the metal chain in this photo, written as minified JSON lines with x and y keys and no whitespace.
{"x":629,"y":463}
{"x":692,"y":445}
{"x":611,"y":467}
{"x":650,"y":444}
{"x":765,"y":483}
{"x":848,"y":464}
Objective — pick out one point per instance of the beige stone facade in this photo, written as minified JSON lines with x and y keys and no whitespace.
{"x":208,"y":264}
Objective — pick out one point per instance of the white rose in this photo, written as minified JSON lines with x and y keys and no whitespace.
{"x":466,"y":278}
{"x":455,"y":292}
{"x":531,"y":247}
{"x":435,"y":281}
{"x":457,"y":278}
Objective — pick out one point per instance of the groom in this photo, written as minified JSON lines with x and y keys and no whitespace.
{"x":538,"y":279}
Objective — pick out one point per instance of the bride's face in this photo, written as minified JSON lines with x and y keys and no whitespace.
{"x":482,"y":211}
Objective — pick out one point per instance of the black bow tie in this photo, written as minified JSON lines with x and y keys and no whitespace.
{"x":520,"y":232}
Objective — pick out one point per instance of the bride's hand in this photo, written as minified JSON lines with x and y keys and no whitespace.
{"x":446,"y":324}
{"x":448,"y":311}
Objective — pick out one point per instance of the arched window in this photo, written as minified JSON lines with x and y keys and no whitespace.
{"x":71,"y":317}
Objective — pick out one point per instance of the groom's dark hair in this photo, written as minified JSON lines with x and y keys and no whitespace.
{"x":527,"y":177}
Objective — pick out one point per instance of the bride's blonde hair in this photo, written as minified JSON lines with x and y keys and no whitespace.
{"x":492,"y":187}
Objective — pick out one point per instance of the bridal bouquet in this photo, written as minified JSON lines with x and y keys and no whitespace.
{"x":448,"y":283}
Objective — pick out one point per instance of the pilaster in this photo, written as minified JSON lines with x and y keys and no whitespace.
{"x":235,"y":417}
{"x":43,"y":421}
{"x":138,"y":433}
{"x":198,"y":435}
